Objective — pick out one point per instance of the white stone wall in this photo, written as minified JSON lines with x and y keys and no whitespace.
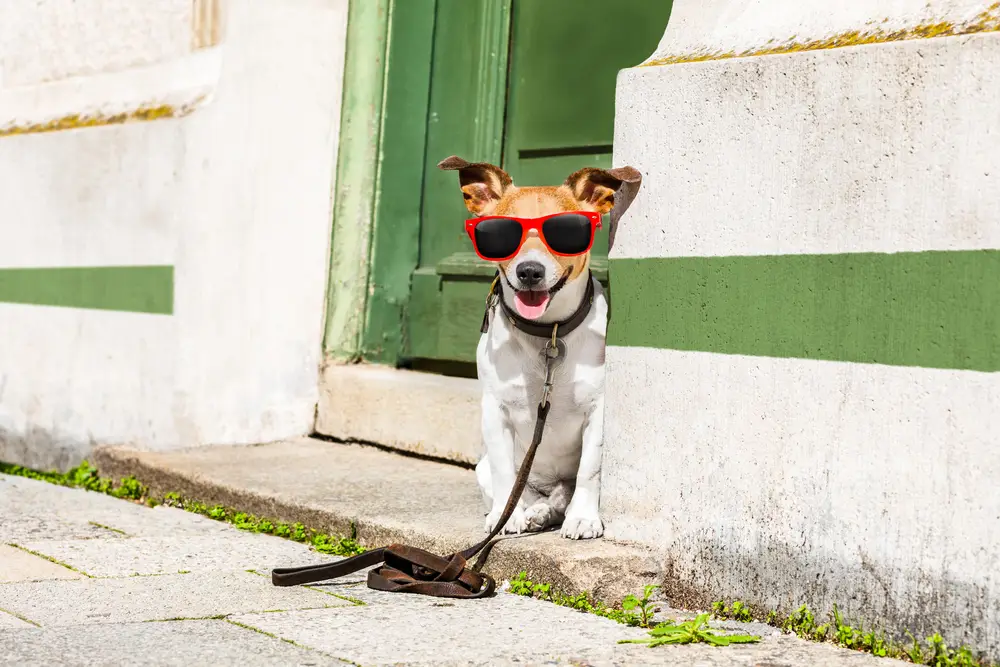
{"x":235,"y":195}
{"x":790,"y":480}
{"x":67,"y":63}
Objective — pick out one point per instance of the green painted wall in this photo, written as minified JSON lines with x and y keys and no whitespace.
{"x":136,"y":289}
{"x":936,"y":309}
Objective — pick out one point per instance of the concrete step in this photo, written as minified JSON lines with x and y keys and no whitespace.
{"x":433,"y":415}
{"x":388,"y":497}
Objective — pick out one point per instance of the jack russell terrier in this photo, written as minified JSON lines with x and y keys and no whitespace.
{"x":541,"y":237}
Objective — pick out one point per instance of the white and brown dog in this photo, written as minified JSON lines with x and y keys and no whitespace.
{"x":540,"y":287}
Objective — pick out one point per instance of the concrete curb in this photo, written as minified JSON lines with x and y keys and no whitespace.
{"x":608,"y":570}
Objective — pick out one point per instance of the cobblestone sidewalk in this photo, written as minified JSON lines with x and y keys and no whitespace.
{"x":86,"y":579}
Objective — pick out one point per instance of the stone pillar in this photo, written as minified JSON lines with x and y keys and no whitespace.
{"x":803,"y":397}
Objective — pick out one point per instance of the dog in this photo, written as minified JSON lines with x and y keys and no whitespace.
{"x":541,"y":287}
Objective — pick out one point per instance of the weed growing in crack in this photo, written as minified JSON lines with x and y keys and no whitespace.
{"x":86,"y":476}
{"x":802,"y":622}
{"x":521,"y":585}
{"x":643,"y":606}
{"x":690,"y":632}
{"x":106,"y":527}
{"x":940,"y":655}
{"x":129,"y":487}
{"x":321,"y":542}
{"x":56,"y":561}
{"x":737,"y":612}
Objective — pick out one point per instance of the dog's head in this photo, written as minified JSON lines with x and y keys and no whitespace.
{"x":538,"y":283}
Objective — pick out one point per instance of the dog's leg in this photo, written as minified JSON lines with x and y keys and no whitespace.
{"x":583,"y":518}
{"x":485,"y":480}
{"x":549,"y":511}
{"x":498,"y":435}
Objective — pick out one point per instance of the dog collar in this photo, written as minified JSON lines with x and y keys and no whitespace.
{"x":538,"y":329}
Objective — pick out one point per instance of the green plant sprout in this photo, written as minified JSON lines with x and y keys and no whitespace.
{"x":738,"y":612}
{"x":802,"y":622}
{"x":690,"y":632}
{"x":645,"y":607}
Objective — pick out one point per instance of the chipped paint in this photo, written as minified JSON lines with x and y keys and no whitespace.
{"x":987,"y":21}
{"x":78,"y":121}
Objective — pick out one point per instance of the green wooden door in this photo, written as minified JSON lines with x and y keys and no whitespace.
{"x":530,"y":85}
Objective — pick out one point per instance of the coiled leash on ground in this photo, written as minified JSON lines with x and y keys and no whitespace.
{"x":408,"y":569}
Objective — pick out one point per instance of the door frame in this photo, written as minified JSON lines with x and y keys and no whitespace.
{"x":357,"y":166}
{"x":380,"y":168}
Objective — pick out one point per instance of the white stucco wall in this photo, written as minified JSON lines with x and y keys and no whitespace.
{"x":790,"y":480}
{"x":235,"y":196}
{"x":75,"y":62}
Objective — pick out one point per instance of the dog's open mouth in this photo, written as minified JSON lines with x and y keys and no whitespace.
{"x":531,"y":303}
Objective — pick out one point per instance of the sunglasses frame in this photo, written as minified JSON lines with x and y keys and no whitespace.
{"x":527,"y":224}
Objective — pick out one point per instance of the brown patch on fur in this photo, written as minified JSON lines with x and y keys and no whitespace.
{"x":598,"y":186}
{"x":535,"y":202}
{"x":482,"y":183}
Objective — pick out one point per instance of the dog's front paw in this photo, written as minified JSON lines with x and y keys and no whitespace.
{"x":516,"y":524}
{"x":540,"y":516}
{"x":582,"y":527}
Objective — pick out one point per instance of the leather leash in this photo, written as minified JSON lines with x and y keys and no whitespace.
{"x":409,"y":569}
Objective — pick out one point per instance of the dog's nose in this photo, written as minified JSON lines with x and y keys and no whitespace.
{"x":530,"y":274}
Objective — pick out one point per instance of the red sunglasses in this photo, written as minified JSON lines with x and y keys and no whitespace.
{"x":497,"y":238}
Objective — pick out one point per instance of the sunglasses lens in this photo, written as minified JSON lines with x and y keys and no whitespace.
{"x":498,"y":238}
{"x":569,"y":234}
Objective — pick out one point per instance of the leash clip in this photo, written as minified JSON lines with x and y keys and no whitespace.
{"x":552,"y":357}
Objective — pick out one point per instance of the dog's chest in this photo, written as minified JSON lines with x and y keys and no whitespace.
{"x":573,"y":395}
{"x":575,"y":386}
{"x":512,"y":369}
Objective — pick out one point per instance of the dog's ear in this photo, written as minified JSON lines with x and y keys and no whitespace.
{"x":482,"y":183}
{"x":597,"y":187}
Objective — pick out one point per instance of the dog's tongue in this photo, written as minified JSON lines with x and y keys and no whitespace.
{"x":531,"y":304}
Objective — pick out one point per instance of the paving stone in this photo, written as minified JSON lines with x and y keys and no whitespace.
{"x":39,"y":510}
{"x":180,"y":643}
{"x":397,"y":628}
{"x":509,"y":629}
{"x":20,"y":528}
{"x":18,"y":565}
{"x":181,"y":553}
{"x":195,"y":595}
{"x":780,"y":651}
{"x":141,"y":521}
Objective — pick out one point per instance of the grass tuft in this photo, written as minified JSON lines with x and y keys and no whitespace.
{"x":802,"y":623}
{"x":635,"y":611}
{"x":695,"y":631}
{"x":86,"y":476}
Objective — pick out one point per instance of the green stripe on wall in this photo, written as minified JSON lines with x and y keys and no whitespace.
{"x":934,"y":309}
{"x":136,"y":289}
